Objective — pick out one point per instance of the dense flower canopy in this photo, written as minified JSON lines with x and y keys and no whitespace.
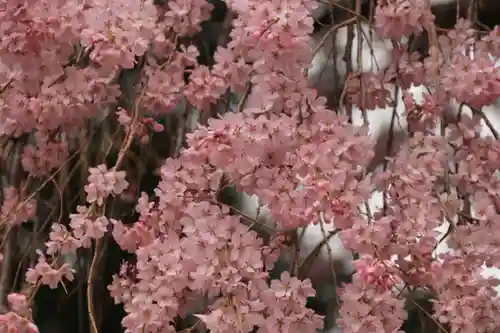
{"x":62,"y":67}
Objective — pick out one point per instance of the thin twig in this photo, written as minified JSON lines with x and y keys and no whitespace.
{"x":90,"y":302}
{"x":330,"y":31}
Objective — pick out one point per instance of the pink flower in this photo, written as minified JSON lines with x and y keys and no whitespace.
{"x":102,"y":183}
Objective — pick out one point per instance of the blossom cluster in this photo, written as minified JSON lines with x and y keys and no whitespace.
{"x":62,"y":64}
{"x":16,"y":209}
{"x":16,"y":320}
{"x":368,"y":303}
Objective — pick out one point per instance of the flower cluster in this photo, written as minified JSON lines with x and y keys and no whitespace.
{"x":18,"y":319}
{"x":45,"y":157}
{"x":367,"y":309}
{"x":103,"y":182}
{"x":400,"y":18}
{"x":68,"y":64}
{"x":85,"y":226}
{"x":14,"y":209}
{"x":12,"y":322}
